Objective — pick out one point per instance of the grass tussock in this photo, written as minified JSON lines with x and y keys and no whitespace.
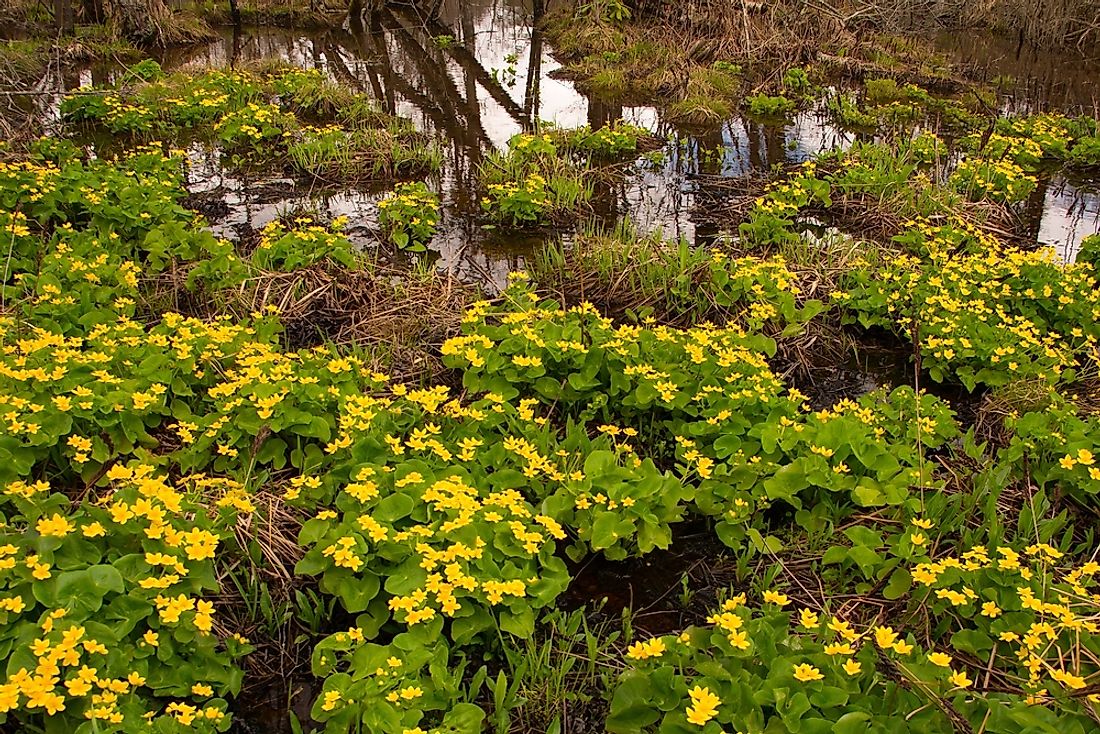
{"x":704,"y":62}
{"x":1045,"y":23}
{"x":710,"y":31}
{"x":275,"y":13}
{"x":403,"y":316}
{"x":622,"y":272}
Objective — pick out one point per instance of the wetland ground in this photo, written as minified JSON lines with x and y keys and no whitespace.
{"x":501,"y":367}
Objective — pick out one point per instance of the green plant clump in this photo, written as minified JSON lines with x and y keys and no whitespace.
{"x":409,"y":215}
{"x":763,"y":105}
{"x":532,"y":184}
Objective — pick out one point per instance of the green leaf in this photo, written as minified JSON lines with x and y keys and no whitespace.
{"x":899,"y":584}
{"x":598,"y":463}
{"x":609,"y":529}
{"x":520,"y":623}
{"x":867,"y":493}
{"x":393,"y":507}
{"x":785,"y":483}
{"x":853,"y":722}
{"x":770,"y":544}
{"x":867,"y":559}
{"x":464,"y":718}
{"x":974,"y":642}
{"x":82,"y":589}
{"x":631,"y":707}
{"x":273,"y":452}
{"x":356,"y":592}
{"x":549,"y":388}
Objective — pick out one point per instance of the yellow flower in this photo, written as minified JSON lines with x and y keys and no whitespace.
{"x":808,"y":619}
{"x":806,"y":673}
{"x":93,"y":530}
{"x":1067,"y":679}
{"x":852,"y":667}
{"x":57,"y":525}
{"x":647,"y":649}
{"x":885,"y":637}
{"x":960,"y":680}
{"x":739,"y":639}
{"x":704,"y":705}
{"x":777,"y":598}
{"x":940,"y":658}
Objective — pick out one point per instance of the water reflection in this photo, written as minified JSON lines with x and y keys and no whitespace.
{"x":1035,"y":80}
{"x":1070,"y":211}
{"x":480,"y":72}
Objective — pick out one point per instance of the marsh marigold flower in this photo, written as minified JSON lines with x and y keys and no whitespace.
{"x":646,"y":649}
{"x":704,"y":705}
{"x":777,"y":598}
{"x":806,"y":673}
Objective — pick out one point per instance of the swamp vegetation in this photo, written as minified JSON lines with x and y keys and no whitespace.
{"x":602,"y":367}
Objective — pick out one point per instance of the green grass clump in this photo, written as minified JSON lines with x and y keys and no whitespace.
{"x":768,"y":106}
{"x":264,"y":118}
{"x":20,"y":59}
{"x":533,"y":184}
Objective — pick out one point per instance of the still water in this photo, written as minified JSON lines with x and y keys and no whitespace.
{"x":483,"y":72}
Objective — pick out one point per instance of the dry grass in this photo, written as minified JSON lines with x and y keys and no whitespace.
{"x":1015,"y":398}
{"x":761,"y":28}
{"x":1045,"y":23}
{"x":362,"y":307}
{"x":278,"y":13}
{"x":784,"y":32}
{"x":665,"y":58}
{"x":624,"y":274}
{"x":627,"y":276}
{"x":399,"y":317}
{"x":281,"y":647}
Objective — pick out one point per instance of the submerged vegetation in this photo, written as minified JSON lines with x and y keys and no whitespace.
{"x":303,"y":452}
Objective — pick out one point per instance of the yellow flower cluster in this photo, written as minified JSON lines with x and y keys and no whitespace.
{"x":703,"y":707}
{"x":1051,"y":614}
{"x":650,"y":648}
{"x":65,"y":647}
